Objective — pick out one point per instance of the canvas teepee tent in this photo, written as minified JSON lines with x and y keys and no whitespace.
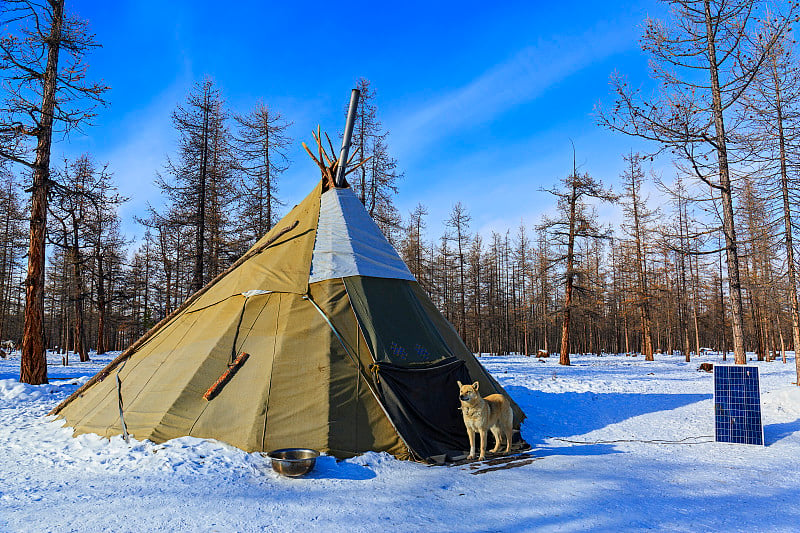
{"x":345,"y":353}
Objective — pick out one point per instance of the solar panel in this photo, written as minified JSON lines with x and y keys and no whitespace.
{"x":737,"y":405}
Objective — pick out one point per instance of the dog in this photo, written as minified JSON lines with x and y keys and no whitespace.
{"x":482,"y":415}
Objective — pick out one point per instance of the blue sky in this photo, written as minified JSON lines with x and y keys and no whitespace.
{"x":481,"y":99}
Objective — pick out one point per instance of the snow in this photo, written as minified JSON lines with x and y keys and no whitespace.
{"x":619,"y":444}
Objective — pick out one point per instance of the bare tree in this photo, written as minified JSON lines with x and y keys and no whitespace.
{"x":523,"y":273}
{"x":724,"y":42}
{"x":576,"y":221}
{"x":773,"y":113}
{"x":199,"y":186}
{"x":41,"y":96}
{"x":84,"y":207}
{"x":413,"y":246}
{"x":107,"y":249}
{"x":639,"y":218}
{"x":12,"y":246}
{"x":261,"y":146}
{"x":458,"y":222}
{"x":375,"y":182}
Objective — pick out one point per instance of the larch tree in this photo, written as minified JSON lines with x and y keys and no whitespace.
{"x":576,"y":220}
{"x":638,"y":221}
{"x":682,"y":253}
{"x":70,"y":210}
{"x":757,"y":241}
{"x":261,"y":147}
{"x":200,"y":185}
{"x":703,"y":58}
{"x":375,"y":183}
{"x":107,"y":249}
{"x":83,"y":208}
{"x":223,"y":242}
{"x":458,"y":224}
{"x":772,"y":112}
{"x":44,"y":90}
{"x":412,"y":246}
{"x":476,"y":281}
{"x":366,"y":127}
{"x":12,"y":247}
{"x":189,"y":190}
{"x":523,"y":257}
{"x":543,"y":267}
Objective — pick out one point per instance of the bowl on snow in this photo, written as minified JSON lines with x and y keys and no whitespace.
{"x":293,"y":462}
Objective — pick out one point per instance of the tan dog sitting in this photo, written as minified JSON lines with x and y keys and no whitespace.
{"x":484,"y":414}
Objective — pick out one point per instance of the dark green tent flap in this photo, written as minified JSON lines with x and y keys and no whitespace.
{"x":419,"y":358}
{"x":394,"y":322}
{"x":424,"y":407}
{"x":459,"y":349}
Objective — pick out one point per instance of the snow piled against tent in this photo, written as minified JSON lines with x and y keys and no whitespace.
{"x":619,"y":444}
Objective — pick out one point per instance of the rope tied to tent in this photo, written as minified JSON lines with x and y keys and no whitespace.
{"x":374,"y":368}
{"x":125,"y":434}
{"x":236,"y":335}
{"x":234,"y":362}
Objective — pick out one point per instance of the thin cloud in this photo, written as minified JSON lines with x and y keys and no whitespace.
{"x":519,"y":80}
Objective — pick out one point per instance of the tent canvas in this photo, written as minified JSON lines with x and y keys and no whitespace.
{"x":346,"y":352}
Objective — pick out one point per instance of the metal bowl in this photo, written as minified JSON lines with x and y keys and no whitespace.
{"x":293,"y":461}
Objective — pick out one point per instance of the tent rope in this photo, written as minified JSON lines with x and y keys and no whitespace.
{"x":125,"y":434}
{"x":236,"y":335}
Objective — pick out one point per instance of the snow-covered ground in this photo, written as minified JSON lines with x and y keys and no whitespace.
{"x":595,"y":428}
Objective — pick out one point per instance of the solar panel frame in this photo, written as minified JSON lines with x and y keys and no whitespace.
{"x":737,"y":405}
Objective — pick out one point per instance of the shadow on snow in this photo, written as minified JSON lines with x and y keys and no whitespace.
{"x":574,"y":413}
{"x":330,"y":468}
{"x":775,"y":432}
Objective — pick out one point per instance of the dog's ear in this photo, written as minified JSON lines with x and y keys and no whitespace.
{"x":459,"y":384}
{"x":475,"y":385}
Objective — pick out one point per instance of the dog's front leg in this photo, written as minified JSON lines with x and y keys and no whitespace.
{"x":471,"y":444}
{"x":483,"y":445}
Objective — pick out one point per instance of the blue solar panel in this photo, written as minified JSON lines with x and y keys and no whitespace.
{"x":737,"y":405}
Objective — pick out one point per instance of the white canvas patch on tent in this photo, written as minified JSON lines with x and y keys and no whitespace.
{"x":349,"y":243}
{"x":254,"y":292}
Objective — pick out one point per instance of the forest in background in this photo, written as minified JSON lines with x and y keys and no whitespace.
{"x":711,"y":266}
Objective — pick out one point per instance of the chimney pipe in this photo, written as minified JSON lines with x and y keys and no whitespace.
{"x":348,"y":133}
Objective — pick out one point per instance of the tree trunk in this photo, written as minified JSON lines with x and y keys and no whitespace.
{"x":788,"y":241}
{"x":729,"y":230}
{"x":200,"y":236}
{"x":101,"y":306}
{"x":33,"y":364}
{"x":564,"y":358}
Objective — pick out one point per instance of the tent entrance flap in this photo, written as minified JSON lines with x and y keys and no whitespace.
{"x":423,"y":405}
{"x":394,"y":322}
